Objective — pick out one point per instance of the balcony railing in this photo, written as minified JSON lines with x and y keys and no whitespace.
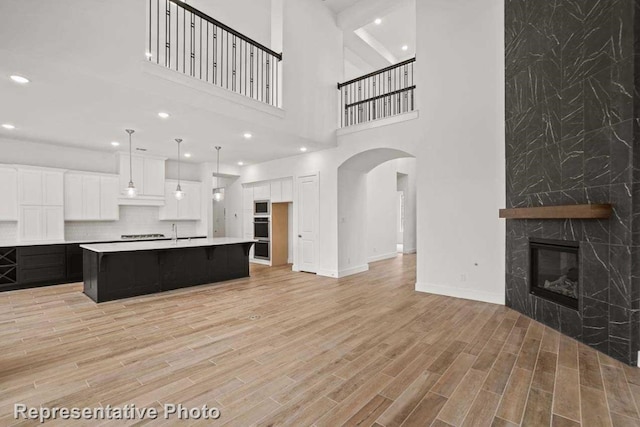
{"x":182,"y":38}
{"x":383,"y":93}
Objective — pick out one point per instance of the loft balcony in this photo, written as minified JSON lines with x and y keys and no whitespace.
{"x":378,"y":95}
{"x":184,"y":39}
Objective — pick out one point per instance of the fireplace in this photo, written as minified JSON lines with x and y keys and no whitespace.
{"x":555,"y":270}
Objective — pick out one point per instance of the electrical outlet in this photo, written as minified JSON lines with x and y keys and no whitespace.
{"x":463,"y":277}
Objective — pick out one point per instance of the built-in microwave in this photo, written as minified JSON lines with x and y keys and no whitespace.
{"x":261,"y":207}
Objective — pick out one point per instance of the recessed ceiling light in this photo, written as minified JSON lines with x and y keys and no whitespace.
{"x":115,"y":143}
{"x":247,"y":135}
{"x":187,"y":155}
{"x":405,"y":47}
{"x":163,"y":115}
{"x":240,"y":163}
{"x":19,"y":79}
{"x":303,"y":149}
{"x":8,"y":126}
{"x":378,"y":21}
{"x":148,"y":54}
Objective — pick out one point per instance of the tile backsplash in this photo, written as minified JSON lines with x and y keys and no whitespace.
{"x":133,"y":220}
{"x":8,"y":231}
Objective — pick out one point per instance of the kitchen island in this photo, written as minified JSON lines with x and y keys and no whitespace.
{"x":122,"y":270}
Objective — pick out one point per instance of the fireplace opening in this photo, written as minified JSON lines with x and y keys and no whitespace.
{"x":555,"y":271}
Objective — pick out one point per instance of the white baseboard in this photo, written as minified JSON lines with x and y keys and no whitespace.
{"x":353,"y":270}
{"x":409,"y":251}
{"x":383,"y":257}
{"x":260,"y":261}
{"x":327,"y":273}
{"x":465,"y":293}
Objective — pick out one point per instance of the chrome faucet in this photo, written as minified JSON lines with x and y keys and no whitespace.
{"x":174,"y":231}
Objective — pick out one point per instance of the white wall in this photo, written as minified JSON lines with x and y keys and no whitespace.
{"x":461,"y":158}
{"x":382,"y":208}
{"x":352,"y":221}
{"x":408,"y":167}
{"x":312,"y":67}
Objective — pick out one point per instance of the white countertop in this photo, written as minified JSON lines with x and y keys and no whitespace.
{"x":13,"y":243}
{"x":163,"y":244}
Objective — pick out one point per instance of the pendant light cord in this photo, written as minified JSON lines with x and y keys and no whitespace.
{"x":179,"y":159}
{"x":130,"y":131}
{"x":218,"y":168}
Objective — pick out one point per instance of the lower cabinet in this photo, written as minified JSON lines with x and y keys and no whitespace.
{"x":41,"y":264}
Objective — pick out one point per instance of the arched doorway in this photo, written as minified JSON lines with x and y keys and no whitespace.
{"x":367,"y":207}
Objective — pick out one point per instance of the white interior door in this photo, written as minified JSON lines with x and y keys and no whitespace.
{"x":308,"y":218}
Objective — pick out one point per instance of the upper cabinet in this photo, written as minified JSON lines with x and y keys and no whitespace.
{"x":41,"y":200}
{"x":147,"y":173}
{"x":91,"y":197}
{"x":188,"y":208}
{"x":262,"y":191}
{"x":40,"y":187}
{"x":282,"y":190}
{"x":9,"y":190}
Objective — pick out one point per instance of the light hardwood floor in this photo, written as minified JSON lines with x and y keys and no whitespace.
{"x":285,"y":348}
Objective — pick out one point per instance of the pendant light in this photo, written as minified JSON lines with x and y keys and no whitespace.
{"x":131,"y":190}
{"x":179,"y":193}
{"x":218,"y":193}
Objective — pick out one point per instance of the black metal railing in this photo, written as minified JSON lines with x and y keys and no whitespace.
{"x":182,"y":38}
{"x":383,"y":93}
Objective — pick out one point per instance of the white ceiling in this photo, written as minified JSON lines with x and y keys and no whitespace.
{"x":398,"y":28}
{"x":87,"y":86}
{"x":377,"y":46}
{"x":338,"y":6}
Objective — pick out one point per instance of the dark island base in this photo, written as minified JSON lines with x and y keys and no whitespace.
{"x":112,"y":276}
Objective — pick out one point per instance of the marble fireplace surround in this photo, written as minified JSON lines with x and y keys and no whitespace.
{"x":572,"y":137}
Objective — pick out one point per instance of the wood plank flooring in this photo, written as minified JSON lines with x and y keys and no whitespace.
{"x":283,"y":348}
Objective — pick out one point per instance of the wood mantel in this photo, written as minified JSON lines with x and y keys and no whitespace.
{"x":587,"y":211}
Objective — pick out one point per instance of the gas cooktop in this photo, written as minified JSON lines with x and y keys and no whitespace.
{"x":141,"y":236}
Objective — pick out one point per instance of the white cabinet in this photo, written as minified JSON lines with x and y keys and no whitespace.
{"x":30,"y":185}
{"x":109,"y":191}
{"x":262,"y":191}
{"x":41,"y":223}
{"x":53,"y":222}
{"x":31,"y":223}
{"x":148,"y":174}
{"x":90,"y":197}
{"x":276,"y":191}
{"x":73,"y":196}
{"x":40,"y":187}
{"x":282,"y":190}
{"x":52,"y":188}
{"x":41,"y":201}
{"x":189,"y":208}
{"x":287,"y":190}
{"x":247,"y":198}
{"x":9,"y":191}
